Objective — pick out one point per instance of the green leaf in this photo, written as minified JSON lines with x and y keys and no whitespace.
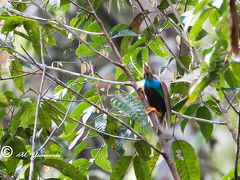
{"x":65,"y":168}
{"x":79,"y":110}
{"x":12,"y":23}
{"x":197,"y":27}
{"x":164,"y":5}
{"x":181,"y":88}
{"x":230,"y":78}
{"x":200,"y":85}
{"x":18,"y":147}
{"x":157,"y":46}
{"x":20,"y":6}
{"x":48,"y":34}
{"x":214,"y":17}
{"x":120,"y":168}
{"x":186,"y":160}
{"x":144,"y":151}
{"x":12,"y":99}
{"x":125,"y":45}
{"x":141,"y":168}
{"x":2,"y":114}
{"x":25,"y":115}
{"x":145,"y":54}
{"x":94,"y":27}
{"x":236,"y":70}
{"x":83,"y":145}
{"x":76,"y":22}
{"x":53,"y":113}
{"x":201,"y":35}
{"x":61,"y":5}
{"x":82,"y":164}
{"x":133,"y":107}
{"x":122,"y":33}
{"x":200,"y":5}
{"x":16,"y":70}
{"x":101,"y":122}
{"x":3,"y":98}
{"x":44,"y":117}
{"x":118,"y":27}
{"x":84,"y":51}
{"x":178,"y":105}
{"x":153,"y":160}
{"x":63,"y":145}
{"x":132,"y":55}
{"x":230,"y":175}
{"x":139,"y":42}
{"x":206,"y":128}
{"x":213,"y":106}
{"x":186,"y":60}
{"x":189,"y":111}
{"x":32,"y":29}
{"x":100,"y":156}
{"x":111,"y":128}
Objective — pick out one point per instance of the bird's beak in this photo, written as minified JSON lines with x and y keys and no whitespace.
{"x":147,"y":69}
{"x":145,"y":66}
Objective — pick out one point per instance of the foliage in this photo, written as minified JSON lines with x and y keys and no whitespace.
{"x":100,"y":130}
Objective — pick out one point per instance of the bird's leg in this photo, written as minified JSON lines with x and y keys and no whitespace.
{"x":151,"y":109}
{"x":140,"y":89}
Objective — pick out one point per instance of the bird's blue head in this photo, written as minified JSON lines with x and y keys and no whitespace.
{"x":148,"y":75}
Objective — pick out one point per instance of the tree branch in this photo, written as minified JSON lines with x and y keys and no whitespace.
{"x":226,"y":118}
{"x":233,"y":98}
{"x":198,"y":119}
{"x":36,"y":18}
{"x":37,"y":110}
{"x":86,"y":76}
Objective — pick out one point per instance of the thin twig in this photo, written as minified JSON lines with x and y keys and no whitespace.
{"x":80,"y":7}
{"x":233,"y":98}
{"x":20,"y":2}
{"x":86,"y":76}
{"x":37,"y":110}
{"x":236,"y":111}
{"x":226,"y":118}
{"x":22,"y":75}
{"x":198,"y":119}
{"x":36,"y":18}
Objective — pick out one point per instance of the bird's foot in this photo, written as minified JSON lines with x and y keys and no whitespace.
{"x":140,"y":89}
{"x":152,"y":109}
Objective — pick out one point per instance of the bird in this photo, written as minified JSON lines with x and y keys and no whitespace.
{"x":157,"y":95}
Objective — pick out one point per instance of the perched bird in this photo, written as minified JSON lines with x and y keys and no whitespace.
{"x":157,"y":95}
